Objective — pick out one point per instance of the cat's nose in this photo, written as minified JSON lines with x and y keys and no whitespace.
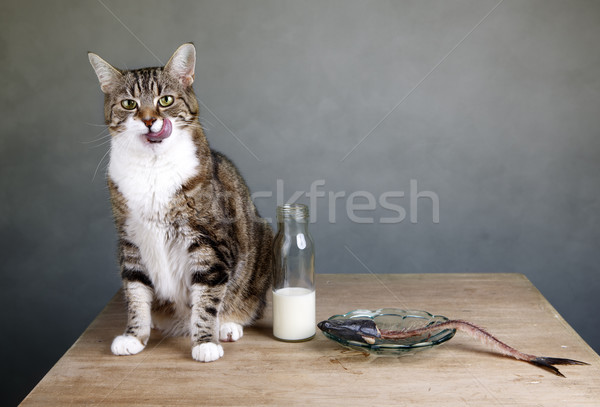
{"x":149,"y":121}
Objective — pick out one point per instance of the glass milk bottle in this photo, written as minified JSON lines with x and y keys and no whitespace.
{"x":293,"y":276}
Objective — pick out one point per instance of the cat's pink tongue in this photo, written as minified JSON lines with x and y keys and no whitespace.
{"x":162,"y":133}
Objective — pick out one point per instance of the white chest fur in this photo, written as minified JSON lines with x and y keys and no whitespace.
{"x":148,"y":176}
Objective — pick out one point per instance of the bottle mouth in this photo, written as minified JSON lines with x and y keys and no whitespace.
{"x":292,"y":211}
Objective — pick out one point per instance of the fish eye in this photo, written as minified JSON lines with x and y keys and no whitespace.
{"x":166,"y":101}
{"x":129,"y":104}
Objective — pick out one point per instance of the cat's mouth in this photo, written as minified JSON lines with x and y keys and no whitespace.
{"x":162,"y":134}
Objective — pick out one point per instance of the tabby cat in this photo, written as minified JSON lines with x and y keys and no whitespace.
{"x":195,"y":256}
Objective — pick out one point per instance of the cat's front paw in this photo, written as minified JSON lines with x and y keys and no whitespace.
{"x":126,"y":345}
{"x":230,"y":332}
{"x":207,"y":352}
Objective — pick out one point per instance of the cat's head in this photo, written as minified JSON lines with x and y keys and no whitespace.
{"x":147,"y":105}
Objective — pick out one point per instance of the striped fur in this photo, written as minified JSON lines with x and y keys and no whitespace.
{"x":195,"y":255}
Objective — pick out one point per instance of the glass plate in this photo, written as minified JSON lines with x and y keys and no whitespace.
{"x":396,"y":319}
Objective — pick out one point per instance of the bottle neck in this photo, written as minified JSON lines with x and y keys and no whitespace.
{"x":292,"y":226}
{"x":294,"y":254}
{"x":292,"y":217}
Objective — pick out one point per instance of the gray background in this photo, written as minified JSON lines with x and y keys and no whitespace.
{"x":497,"y":114}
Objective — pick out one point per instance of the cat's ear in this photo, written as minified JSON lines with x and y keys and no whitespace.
{"x":108,"y":75}
{"x":182,"y":64}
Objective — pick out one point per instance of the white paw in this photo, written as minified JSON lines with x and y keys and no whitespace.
{"x":126,"y":345}
{"x":207,"y":352}
{"x":230,"y":332}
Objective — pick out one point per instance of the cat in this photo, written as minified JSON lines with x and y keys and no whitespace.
{"x":195,"y":256}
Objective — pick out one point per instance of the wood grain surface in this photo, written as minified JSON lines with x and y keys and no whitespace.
{"x":259,"y":370}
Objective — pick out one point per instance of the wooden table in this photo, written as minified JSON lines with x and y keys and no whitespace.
{"x":259,"y":370}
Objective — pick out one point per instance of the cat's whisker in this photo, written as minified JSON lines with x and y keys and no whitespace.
{"x":95,"y":124}
{"x":100,"y":142}
{"x":206,"y":122}
{"x":103,"y":137}
{"x":128,"y":140}
{"x":99,"y":164}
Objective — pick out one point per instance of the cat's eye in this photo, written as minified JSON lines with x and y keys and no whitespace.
{"x":166,"y":101}
{"x":129,"y":104}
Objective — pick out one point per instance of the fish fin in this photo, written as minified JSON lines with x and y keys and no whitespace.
{"x":559,"y":361}
{"x":546,"y":363}
{"x":369,"y":339}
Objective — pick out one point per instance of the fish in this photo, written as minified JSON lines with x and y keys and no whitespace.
{"x":366,"y":331}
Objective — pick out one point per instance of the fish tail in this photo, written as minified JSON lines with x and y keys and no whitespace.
{"x":485,"y":337}
{"x":547,"y":363}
